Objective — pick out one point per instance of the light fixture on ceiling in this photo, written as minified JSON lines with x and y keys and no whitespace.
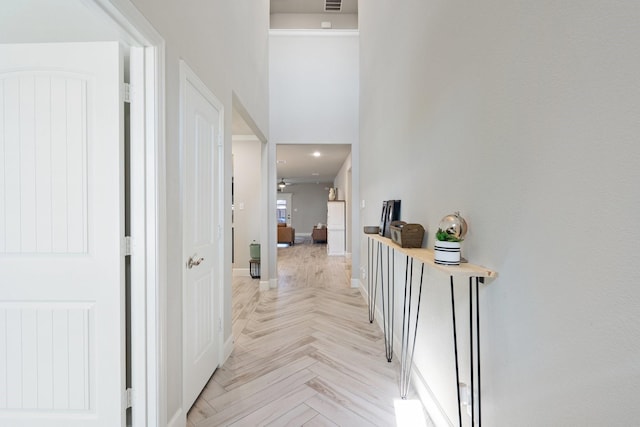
{"x":316,"y":154}
{"x":281,"y":184}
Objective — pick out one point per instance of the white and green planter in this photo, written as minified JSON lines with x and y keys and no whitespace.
{"x":446,"y":253}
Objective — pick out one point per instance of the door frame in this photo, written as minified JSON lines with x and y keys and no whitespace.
{"x":148,"y":184}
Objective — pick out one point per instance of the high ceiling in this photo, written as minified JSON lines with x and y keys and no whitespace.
{"x":297,"y":164}
{"x":310,"y":6}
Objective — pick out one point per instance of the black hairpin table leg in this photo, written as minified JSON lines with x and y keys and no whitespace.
{"x":371,"y":285}
{"x":409,"y":338}
{"x":474,"y":352}
{"x":473,"y":422}
{"x":388,"y":304}
{"x":477,"y":350}
{"x":455,"y":351}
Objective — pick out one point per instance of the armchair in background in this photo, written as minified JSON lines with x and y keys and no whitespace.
{"x":286,"y":234}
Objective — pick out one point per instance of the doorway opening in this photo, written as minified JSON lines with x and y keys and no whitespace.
{"x":312,"y":174}
{"x":247,"y":192}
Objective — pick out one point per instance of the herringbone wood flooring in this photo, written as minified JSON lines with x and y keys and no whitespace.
{"x":305,"y":353}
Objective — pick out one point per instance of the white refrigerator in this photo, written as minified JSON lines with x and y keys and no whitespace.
{"x":336,"y":230}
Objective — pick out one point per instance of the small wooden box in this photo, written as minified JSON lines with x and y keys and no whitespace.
{"x":407,"y":235}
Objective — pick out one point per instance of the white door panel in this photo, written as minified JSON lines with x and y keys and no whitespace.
{"x":61,"y":227}
{"x":336,"y":228}
{"x":202,"y":133}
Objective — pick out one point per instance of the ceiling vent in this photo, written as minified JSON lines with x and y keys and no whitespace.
{"x":333,"y":5}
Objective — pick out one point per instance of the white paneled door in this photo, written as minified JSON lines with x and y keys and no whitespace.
{"x":336,"y":228}
{"x":202,"y":123}
{"x":61,"y":228}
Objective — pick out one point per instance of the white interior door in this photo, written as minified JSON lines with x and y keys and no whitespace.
{"x":335,"y":228}
{"x":201,"y":144}
{"x":61,"y":230}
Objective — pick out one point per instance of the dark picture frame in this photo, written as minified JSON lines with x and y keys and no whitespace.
{"x":383,"y":218}
{"x":390,"y":212}
{"x":393,"y":213}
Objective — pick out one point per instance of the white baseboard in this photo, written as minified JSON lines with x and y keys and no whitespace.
{"x":426,"y":396}
{"x":429,"y":401}
{"x":241,"y":272}
{"x":178,"y":420}
{"x":363,"y":289}
{"x":273,"y":283}
{"x":355,"y":283}
{"x":303,"y":234}
{"x":264,"y":285}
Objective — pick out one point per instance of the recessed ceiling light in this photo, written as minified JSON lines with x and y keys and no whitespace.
{"x":316,"y":154}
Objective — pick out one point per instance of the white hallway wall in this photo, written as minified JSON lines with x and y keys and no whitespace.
{"x":247,"y":175}
{"x":314,"y":87}
{"x":226,"y":44}
{"x":523,"y":116}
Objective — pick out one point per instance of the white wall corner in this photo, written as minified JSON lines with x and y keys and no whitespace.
{"x":178,"y":419}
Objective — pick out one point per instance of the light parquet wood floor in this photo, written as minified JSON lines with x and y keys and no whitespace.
{"x":305,"y":353}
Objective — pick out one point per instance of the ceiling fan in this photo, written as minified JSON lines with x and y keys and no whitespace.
{"x":282,"y":184}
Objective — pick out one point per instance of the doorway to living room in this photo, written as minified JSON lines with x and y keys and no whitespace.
{"x":310,"y":177}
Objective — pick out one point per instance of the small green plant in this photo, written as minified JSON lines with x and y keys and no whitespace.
{"x":444,"y":236}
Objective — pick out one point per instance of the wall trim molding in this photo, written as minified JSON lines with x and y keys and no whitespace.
{"x":318,"y":33}
{"x":241,"y":272}
{"x":264,"y":285}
